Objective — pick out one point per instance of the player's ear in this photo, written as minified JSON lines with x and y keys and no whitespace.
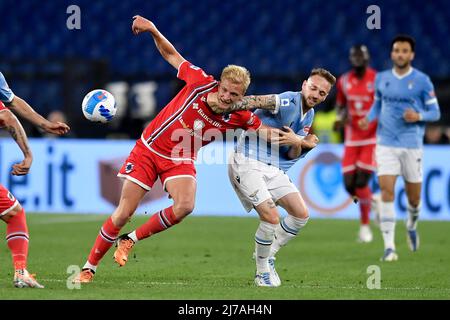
{"x":412,"y":56}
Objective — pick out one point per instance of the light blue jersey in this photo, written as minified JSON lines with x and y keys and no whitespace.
{"x":393,"y":95}
{"x":6,"y":95}
{"x":290,"y":115}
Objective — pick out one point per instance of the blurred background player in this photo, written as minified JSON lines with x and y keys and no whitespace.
{"x":404,"y":102}
{"x":11,"y":212}
{"x":355,"y":90}
{"x":168,"y":147}
{"x":258,"y":175}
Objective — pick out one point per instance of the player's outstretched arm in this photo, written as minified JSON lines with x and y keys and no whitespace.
{"x":23,"y":109}
{"x":9,"y":121}
{"x":269,"y":102}
{"x":167,"y":50}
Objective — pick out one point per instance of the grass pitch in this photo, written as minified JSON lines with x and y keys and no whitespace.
{"x":211,"y":258}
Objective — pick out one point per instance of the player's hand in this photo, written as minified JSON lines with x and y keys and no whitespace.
{"x":310,"y":141}
{"x":411,"y":116}
{"x":59,"y":128}
{"x":363,"y":123}
{"x":140,"y":24}
{"x":212,"y":100}
{"x":22,"y":168}
{"x":285,"y":137}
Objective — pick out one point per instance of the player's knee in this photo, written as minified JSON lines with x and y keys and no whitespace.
{"x":387,"y":195}
{"x":362,"y":179}
{"x":183,"y":208}
{"x":349,"y":183}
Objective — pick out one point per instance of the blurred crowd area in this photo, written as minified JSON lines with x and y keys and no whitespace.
{"x":53,"y":67}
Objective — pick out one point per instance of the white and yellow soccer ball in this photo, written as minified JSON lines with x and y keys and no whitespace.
{"x":99,"y":106}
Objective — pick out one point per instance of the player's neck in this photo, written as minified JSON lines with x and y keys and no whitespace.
{"x":360,"y":72}
{"x":402,"y":71}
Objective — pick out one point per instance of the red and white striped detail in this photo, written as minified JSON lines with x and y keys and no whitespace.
{"x":17,"y":235}
{"x":187,"y":103}
{"x":106,"y":236}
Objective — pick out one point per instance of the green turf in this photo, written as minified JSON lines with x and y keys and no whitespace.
{"x":210,"y":258}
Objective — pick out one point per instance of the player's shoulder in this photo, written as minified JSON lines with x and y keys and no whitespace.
{"x":291,"y":96}
{"x":420,"y":74}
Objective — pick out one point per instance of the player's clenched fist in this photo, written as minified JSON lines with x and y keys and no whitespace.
{"x":140,"y":24}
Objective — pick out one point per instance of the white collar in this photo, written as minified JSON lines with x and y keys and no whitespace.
{"x":403,"y":75}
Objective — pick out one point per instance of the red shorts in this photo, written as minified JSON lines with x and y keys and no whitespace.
{"x":143,"y":167}
{"x":360,"y":157}
{"x":7,"y":201}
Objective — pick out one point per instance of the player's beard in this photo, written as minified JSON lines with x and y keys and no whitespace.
{"x":402,"y":65}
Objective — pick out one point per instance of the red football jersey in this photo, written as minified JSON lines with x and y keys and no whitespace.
{"x":357,"y":96}
{"x":2,"y":106}
{"x":187,"y":123}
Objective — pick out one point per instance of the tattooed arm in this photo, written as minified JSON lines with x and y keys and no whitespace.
{"x":267,"y":102}
{"x":9,"y":121}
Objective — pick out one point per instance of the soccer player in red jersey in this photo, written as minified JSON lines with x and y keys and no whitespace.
{"x":355,"y":94}
{"x":11,"y":212}
{"x":168,"y":147}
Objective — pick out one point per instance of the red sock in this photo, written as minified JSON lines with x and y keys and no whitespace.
{"x":105,"y":239}
{"x":365,"y":196}
{"x":158,"y":222}
{"x":17,"y":239}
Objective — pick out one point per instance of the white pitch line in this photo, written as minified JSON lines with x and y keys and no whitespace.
{"x":286,"y":286}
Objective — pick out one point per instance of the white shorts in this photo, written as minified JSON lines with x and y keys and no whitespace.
{"x":403,"y":162}
{"x":255,"y":182}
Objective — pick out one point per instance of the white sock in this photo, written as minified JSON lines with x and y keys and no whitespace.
{"x":87,"y":265}
{"x":132,"y":236}
{"x":263,"y":239}
{"x":286,"y":230}
{"x":413,"y":216}
{"x":387,"y":224}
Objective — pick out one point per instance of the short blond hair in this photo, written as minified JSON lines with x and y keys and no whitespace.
{"x":236,"y":74}
{"x":327,"y":75}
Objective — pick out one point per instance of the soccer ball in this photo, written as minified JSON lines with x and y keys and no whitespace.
{"x":99,"y":106}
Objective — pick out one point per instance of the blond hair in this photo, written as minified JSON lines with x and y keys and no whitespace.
{"x":236,"y":74}
{"x":324,"y":74}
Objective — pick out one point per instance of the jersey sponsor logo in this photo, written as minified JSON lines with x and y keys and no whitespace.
{"x":397,"y":99}
{"x":216,"y":124}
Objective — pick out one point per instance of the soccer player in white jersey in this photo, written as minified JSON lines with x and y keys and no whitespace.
{"x":258,"y":174}
{"x":404,"y":102}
